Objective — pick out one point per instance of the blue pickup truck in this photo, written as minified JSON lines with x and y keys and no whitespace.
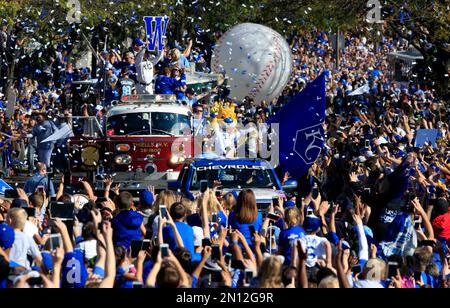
{"x":234,"y":175}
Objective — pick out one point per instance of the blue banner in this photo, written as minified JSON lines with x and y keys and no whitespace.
{"x":4,"y":187}
{"x":156,"y":27}
{"x":301,"y":135}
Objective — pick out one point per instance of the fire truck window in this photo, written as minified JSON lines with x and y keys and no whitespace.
{"x":170,"y":123}
{"x":130,"y":124}
{"x":235,"y":177}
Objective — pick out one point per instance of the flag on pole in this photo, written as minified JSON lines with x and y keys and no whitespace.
{"x":301,"y":135}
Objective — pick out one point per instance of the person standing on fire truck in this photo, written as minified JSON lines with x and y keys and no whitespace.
{"x":145,"y":70}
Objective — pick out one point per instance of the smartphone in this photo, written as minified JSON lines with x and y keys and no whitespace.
{"x":214,"y":218}
{"x":248,"y":277}
{"x":34,"y":282}
{"x":252,"y":231}
{"x":392,"y":269}
{"x":367,"y":144}
{"x":64,"y":211}
{"x":31,"y":212}
{"x":55,"y":241}
{"x":40,"y":189}
{"x":417,"y":276}
{"x":356,"y":269}
{"x":163,"y":211}
{"x":417,"y":224}
{"x":275,"y":202}
{"x":138,"y":285}
{"x":228,"y":258}
{"x":206,"y":242}
{"x":237,"y":265}
{"x":164,"y":250}
{"x":315,"y":191}
{"x":218,"y":194}
{"x":215,"y":255}
{"x":11,"y":194}
{"x":273,"y":216}
{"x":431,"y":244}
{"x":137,"y":246}
{"x":100,"y":200}
{"x":309,"y":212}
{"x":203,"y":186}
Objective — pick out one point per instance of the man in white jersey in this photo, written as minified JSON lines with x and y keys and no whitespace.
{"x":145,"y":66}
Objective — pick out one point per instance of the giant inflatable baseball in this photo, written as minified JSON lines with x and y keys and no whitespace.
{"x":257,"y":61}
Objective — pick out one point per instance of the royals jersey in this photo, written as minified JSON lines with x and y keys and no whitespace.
{"x":127,"y":86}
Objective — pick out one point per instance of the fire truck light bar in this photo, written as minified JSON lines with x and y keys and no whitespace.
{"x":147,"y":98}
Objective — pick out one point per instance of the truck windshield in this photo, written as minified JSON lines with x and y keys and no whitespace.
{"x":161,"y":123}
{"x":235,"y":177}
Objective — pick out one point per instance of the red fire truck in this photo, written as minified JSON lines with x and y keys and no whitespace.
{"x":143,"y":140}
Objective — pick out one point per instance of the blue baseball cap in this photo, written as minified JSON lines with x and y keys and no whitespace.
{"x":139,"y":42}
{"x":19,"y":203}
{"x":312,"y":223}
{"x":289,"y":203}
{"x":7,"y":236}
{"x":146,"y":198}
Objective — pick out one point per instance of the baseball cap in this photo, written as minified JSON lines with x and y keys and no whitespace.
{"x":19,"y":203}
{"x":312,"y":223}
{"x":190,"y":91}
{"x":289,"y":203}
{"x":138,"y":41}
{"x":146,"y":198}
{"x":7,"y":236}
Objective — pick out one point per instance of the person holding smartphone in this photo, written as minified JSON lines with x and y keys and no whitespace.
{"x":128,"y":224}
{"x":289,"y":236}
{"x":245,"y":215}
{"x":179,"y":228}
{"x":40,"y":181}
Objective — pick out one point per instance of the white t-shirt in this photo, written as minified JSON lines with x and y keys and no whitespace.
{"x":315,"y":248}
{"x":23,"y":246}
{"x":30,"y":229}
{"x":89,"y":249}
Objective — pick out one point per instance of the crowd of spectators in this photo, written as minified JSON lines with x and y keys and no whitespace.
{"x":372,"y":212}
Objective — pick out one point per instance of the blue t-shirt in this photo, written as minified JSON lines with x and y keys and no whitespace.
{"x":244,"y":228}
{"x":168,"y":85}
{"x":187,"y":235}
{"x":74,"y":272}
{"x":286,"y":238}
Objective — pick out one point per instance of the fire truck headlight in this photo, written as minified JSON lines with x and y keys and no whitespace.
{"x":123,"y":159}
{"x":177,"y":160}
{"x":123,"y":148}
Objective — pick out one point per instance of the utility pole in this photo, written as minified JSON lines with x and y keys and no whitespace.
{"x":338,"y":42}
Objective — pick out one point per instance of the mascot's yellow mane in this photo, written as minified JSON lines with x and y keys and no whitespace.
{"x":224,"y":110}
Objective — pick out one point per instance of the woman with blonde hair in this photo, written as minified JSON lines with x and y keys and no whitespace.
{"x":270,"y":274}
{"x":291,"y":234}
{"x":166,"y":198}
{"x":228,"y":203}
{"x":213,"y":208}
